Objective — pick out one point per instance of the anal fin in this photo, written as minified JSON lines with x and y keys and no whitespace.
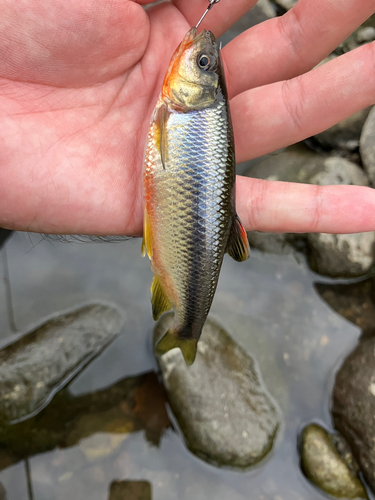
{"x":160,"y":302}
{"x":238,"y":244}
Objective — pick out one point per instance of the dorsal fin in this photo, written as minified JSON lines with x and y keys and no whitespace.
{"x":238,"y":245}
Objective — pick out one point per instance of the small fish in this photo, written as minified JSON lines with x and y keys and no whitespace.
{"x":190,"y":218}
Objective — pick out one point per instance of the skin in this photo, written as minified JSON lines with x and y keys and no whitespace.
{"x":79,"y":81}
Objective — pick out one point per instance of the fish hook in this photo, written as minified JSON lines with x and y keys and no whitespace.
{"x":212,"y":3}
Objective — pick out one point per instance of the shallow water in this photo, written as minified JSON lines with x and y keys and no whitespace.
{"x":268,"y":304}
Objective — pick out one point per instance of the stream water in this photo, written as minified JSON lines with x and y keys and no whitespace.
{"x":268,"y":304}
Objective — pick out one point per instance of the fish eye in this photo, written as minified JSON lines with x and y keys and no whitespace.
{"x":205,"y":62}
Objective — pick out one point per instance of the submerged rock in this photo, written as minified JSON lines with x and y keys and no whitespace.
{"x":38,"y":363}
{"x":130,"y":490}
{"x":353,"y":406}
{"x":341,"y":255}
{"x":3,"y":493}
{"x":344,"y":135}
{"x":367,"y":146}
{"x":324,"y":466}
{"x":220,"y":402}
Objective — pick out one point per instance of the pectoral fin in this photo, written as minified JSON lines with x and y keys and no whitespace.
{"x":146,"y":242}
{"x":238,"y":245}
{"x":161,"y":122}
{"x":160,"y":302}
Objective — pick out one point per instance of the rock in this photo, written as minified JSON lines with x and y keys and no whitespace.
{"x":95,"y":423}
{"x":341,"y":255}
{"x":354,"y":301}
{"x":4,"y":234}
{"x":286,"y":4}
{"x":262,"y":11}
{"x":345,"y":134}
{"x":220,"y":403}
{"x":353,"y":406}
{"x":130,"y":490}
{"x":367,"y":146}
{"x":276,"y":243}
{"x":365,"y":35}
{"x":3,"y":493}
{"x":324,"y":467}
{"x":38,"y":363}
{"x":337,"y":170}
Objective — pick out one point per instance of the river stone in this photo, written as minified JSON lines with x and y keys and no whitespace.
{"x":325,"y":468}
{"x":353,"y":406}
{"x":366,"y":34}
{"x":336,"y":170}
{"x":367,"y":146}
{"x":38,"y":363}
{"x":130,"y":490}
{"x":286,"y":4}
{"x":341,"y":255}
{"x":345,"y":134}
{"x":3,"y":493}
{"x":220,"y":403}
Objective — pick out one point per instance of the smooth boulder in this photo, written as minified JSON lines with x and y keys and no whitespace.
{"x":222,"y":407}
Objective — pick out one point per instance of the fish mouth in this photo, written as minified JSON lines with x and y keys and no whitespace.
{"x":192,"y":36}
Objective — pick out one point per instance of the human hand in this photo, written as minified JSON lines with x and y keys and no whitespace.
{"x":79,"y":81}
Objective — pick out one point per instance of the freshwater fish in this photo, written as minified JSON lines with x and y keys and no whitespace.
{"x":190,"y":219}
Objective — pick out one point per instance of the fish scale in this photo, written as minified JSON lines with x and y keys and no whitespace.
{"x":188,"y":176}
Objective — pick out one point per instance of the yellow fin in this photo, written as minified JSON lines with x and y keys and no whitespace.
{"x":161,"y":123}
{"x":146,"y":242}
{"x":160,"y":302}
{"x":238,"y":244}
{"x":188,"y":347}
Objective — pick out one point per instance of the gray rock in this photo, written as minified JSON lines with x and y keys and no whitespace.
{"x":220,"y":403}
{"x":325,"y":468}
{"x":345,"y":134}
{"x":130,"y":490}
{"x":262,"y":11}
{"x":3,"y":493}
{"x":341,"y":255}
{"x":366,"y":34}
{"x":286,"y":4}
{"x":353,"y":406}
{"x":367,"y":146}
{"x":336,"y":170}
{"x":276,"y":243}
{"x":38,"y":363}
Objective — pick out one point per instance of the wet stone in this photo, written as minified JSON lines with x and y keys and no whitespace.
{"x":366,"y":34}
{"x":341,"y":255}
{"x":367,"y":146}
{"x":220,"y":403}
{"x":323,"y":465}
{"x":344,"y":135}
{"x":38,"y":363}
{"x":3,"y":493}
{"x":353,"y":406}
{"x":130,"y":490}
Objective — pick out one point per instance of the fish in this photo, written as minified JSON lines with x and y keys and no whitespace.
{"x":190,"y":218}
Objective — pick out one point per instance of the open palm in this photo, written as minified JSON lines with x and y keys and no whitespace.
{"x":79,"y":80}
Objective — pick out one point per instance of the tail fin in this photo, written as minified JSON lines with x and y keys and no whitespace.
{"x":170,"y":340}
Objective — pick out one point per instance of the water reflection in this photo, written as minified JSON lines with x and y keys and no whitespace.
{"x":106,"y":417}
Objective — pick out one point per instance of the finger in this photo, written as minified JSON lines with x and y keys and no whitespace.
{"x":276,"y":115}
{"x":301,"y":208}
{"x":290,"y":45}
{"x":221,"y":16}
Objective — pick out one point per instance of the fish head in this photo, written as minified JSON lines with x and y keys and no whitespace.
{"x":193,"y":75}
